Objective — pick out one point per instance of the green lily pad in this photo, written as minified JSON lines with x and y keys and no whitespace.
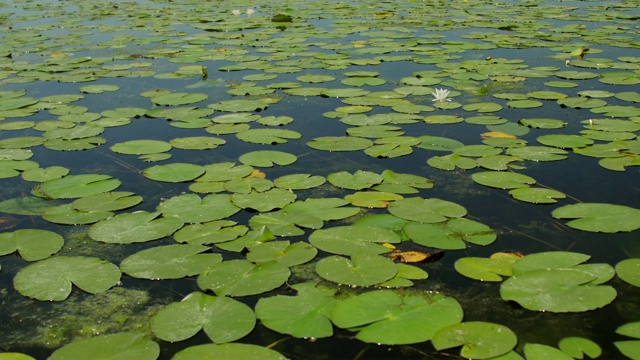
{"x":125,"y":346}
{"x":28,"y":205}
{"x":564,"y":141}
{"x":299,"y":181}
{"x":402,"y":183}
{"x":108,"y":201}
{"x":169,"y":262}
{"x":486,"y":269}
{"x":178,"y":98}
{"x":450,"y":235}
{"x":243,"y":278}
{"x":51,"y":279}
{"x":75,"y":186}
{"x":358,"y":181}
{"x":537,"y":195}
{"x":339,"y":143}
{"x":283,"y":252}
{"x":598,"y":217}
{"x":264,"y":201}
{"x":360,"y":270}
{"x":353,"y":240}
{"x":68,"y":215}
{"x":228,"y":351}
{"x":451,"y":162}
{"x":44,"y":174}
{"x":524,"y":104}
{"x":502,"y":179}
{"x":176,"y":172}
{"x":426,"y":210}
{"x":267,"y":158}
{"x":628,"y":271}
{"x":98,"y":89}
{"x":31,"y":244}
{"x":197,"y":143}
{"x":557,"y":290}
{"x":577,"y":347}
{"x":438,"y":143}
{"x":190,"y":208}
{"x":139,"y":226}
{"x":390,"y":317}
{"x":540,"y":352}
{"x":268,"y":136}
{"x":305,"y":315}
{"x":210,"y":233}
{"x":323,"y":208}
{"x":543,"y":123}
{"x":629,"y":348}
{"x":222,"y":319}
{"x":372,"y":199}
{"x":479,"y":340}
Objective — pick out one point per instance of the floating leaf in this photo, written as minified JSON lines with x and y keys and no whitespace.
{"x":267,"y":158}
{"x":629,"y":348}
{"x":125,"y":346}
{"x":479,"y":340}
{"x":134,"y":227}
{"x":76,"y":186}
{"x":176,"y":172}
{"x":283,"y":252}
{"x":178,"y":98}
{"x":358,"y":181}
{"x":390,"y":317}
{"x":577,"y":347}
{"x":450,"y":235}
{"x":339,"y":143}
{"x":537,"y":195}
{"x":502,"y":180}
{"x":264,"y":201}
{"x":402,"y":183}
{"x":360,"y":270}
{"x":556,"y":290}
{"x":305,"y":315}
{"x":222,"y":319}
{"x":210,"y":233}
{"x":597,"y":217}
{"x":190,"y":208}
{"x":426,"y":210}
{"x":299,"y":181}
{"x":629,"y":271}
{"x":242,"y":278}
{"x":228,"y":351}
{"x":353,"y":240}
{"x":169,"y":262}
{"x":31,"y":244}
{"x":486,"y":269}
{"x":51,"y":279}
{"x":268,"y":136}
{"x":372,"y":199}
{"x":540,"y":351}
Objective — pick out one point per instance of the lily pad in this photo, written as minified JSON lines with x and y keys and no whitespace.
{"x":502,"y":180}
{"x":358,"y":181}
{"x":264,"y":201}
{"x":393,"y":318}
{"x":31,"y":244}
{"x":76,"y":186}
{"x":283,"y":252}
{"x":339,"y":143}
{"x":125,"y":346}
{"x":190,"y":208}
{"x":537,"y":195}
{"x":51,"y":279}
{"x":479,"y":340}
{"x":139,"y":226}
{"x":305,"y":315}
{"x":228,"y":351}
{"x":169,"y":262}
{"x":450,"y":235}
{"x":176,"y":172}
{"x":222,"y":319}
{"x":243,"y":278}
{"x":267,"y":158}
{"x":353,"y":240}
{"x":577,"y":347}
{"x":629,"y":271}
{"x":360,"y":270}
{"x":557,"y":290}
{"x":598,"y":217}
{"x":426,"y":210}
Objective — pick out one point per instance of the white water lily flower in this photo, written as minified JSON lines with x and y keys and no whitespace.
{"x":236,"y":12}
{"x":250,"y":12}
{"x":441,"y":95}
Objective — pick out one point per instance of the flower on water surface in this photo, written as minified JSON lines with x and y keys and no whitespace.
{"x":236,"y":12}
{"x":250,"y":12}
{"x":441,"y":95}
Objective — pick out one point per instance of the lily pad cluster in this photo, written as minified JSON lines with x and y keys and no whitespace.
{"x":294,"y":150}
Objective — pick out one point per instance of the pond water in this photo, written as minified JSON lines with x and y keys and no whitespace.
{"x":277,"y":174}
